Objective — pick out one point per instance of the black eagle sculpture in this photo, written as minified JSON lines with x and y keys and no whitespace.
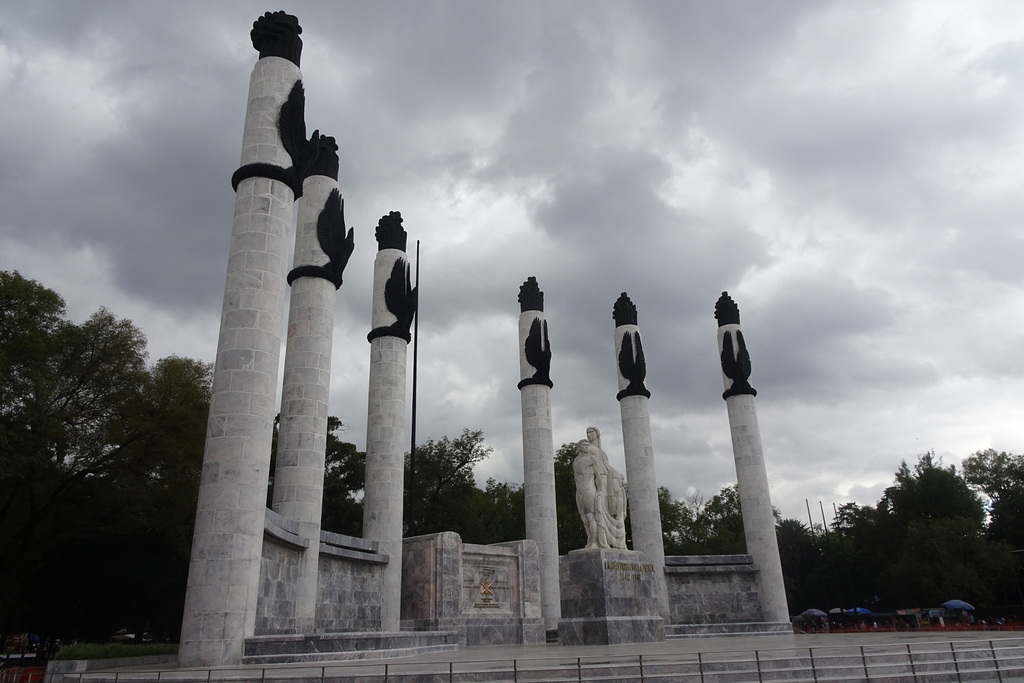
{"x":291,"y":126}
{"x":633,"y":366}
{"x":736,"y":365}
{"x":538,"y":354}
{"x":334,"y":241}
{"x":735,"y":357}
{"x":401,"y":298}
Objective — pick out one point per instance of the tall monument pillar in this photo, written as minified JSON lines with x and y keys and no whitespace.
{"x":394,"y":305}
{"x":538,"y":444}
{"x":633,"y":397}
{"x":322,"y":250}
{"x":751,"y":476}
{"x":220,"y":601}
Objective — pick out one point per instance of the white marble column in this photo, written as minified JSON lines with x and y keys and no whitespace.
{"x":538,"y":444}
{"x":751,"y":475}
{"x":641,"y":485}
{"x":220,"y":601}
{"x":302,"y":434}
{"x":385,"y":422}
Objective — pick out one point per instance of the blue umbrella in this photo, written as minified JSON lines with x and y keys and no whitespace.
{"x":957,"y":604}
{"x":858,"y":610}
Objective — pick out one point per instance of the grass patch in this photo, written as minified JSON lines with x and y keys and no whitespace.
{"x":115,"y":650}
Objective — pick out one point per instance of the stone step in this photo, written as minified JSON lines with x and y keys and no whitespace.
{"x":315,"y":647}
{"x":752,"y":628}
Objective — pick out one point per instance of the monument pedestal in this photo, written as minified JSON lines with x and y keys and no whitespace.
{"x":608,"y":597}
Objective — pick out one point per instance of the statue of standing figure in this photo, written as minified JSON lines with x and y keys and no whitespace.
{"x":600,"y":494}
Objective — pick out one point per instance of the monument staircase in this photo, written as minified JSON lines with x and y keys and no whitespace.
{"x":317,"y":647}
{"x":752,"y":628}
{"x":829,"y":659}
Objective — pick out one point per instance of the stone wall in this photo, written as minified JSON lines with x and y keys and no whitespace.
{"x":501,"y":602}
{"x":279,"y":575}
{"x":489,"y":593}
{"x":713,"y":589}
{"x":431,"y":582}
{"x":348,"y":586}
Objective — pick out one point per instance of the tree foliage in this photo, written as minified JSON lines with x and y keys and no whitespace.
{"x":1000,"y":478}
{"x":571,"y":533}
{"x":99,"y":467}
{"x":344,"y":479}
{"x":930,"y":491}
{"x":448,"y":499}
{"x":925,"y":542}
{"x":699,"y":526}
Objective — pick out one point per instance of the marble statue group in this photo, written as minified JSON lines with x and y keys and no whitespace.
{"x":600,"y":494}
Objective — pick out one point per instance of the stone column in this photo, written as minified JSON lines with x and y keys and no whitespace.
{"x":642,"y":489}
{"x":751,"y":476}
{"x":322,"y":250}
{"x":220,"y":601}
{"x":394,"y":305}
{"x":538,"y":444}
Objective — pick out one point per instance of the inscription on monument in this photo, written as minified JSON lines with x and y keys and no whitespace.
{"x":489,"y":588}
{"x":629,"y":571}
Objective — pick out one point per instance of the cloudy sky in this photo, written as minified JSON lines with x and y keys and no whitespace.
{"x":849,"y":171}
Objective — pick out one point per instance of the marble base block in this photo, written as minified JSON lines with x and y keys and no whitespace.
{"x":608,"y":597}
{"x":503,"y":631}
{"x":490,"y":594}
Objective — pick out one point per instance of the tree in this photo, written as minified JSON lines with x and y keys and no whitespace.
{"x":1000,"y":477}
{"x":571,"y":534}
{"x":949,"y":557}
{"x":127,"y":534}
{"x":677,"y":524}
{"x":445,"y":487}
{"x":799,"y":556}
{"x":931,"y":491}
{"x":923,"y":543}
{"x":855,"y":557}
{"x":718,"y":523}
{"x":344,"y":479}
{"x":502,"y":511}
{"x":97,"y":451}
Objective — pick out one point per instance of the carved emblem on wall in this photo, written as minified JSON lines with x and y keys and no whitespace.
{"x":491,"y":589}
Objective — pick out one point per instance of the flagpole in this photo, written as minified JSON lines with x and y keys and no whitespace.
{"x":411,"y":518}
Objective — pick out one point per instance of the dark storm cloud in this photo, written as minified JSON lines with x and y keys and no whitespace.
{"x":812,"y":326}
{"x":847,"y":171}
{"x":147,"y":181}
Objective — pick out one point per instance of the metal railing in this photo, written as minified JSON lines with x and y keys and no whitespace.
{"x":999,"y":660}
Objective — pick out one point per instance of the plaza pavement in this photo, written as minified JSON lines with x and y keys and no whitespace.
{"x":669,"y":653}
